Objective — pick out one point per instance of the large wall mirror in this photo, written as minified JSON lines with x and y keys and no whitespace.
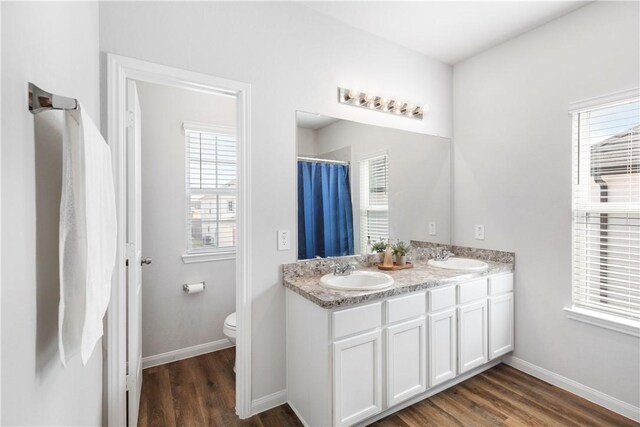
{"x":359,"y":182}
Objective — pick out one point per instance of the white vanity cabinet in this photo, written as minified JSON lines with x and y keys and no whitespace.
{"x":443,"y":334}
{"x":472,"y":325}
{"x":406,"y":347}
{"x":472,"y":335}
{"x":357,"y":378}
{"x":501,"y":319}
{"x":348,"y":365}
{"x":357,"y":363}
{"x":442,"y":346}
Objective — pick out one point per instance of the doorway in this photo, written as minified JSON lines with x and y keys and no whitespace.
{"x":215,"y":238}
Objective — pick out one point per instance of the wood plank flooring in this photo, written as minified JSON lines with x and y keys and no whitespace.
{"x":201,"y":392}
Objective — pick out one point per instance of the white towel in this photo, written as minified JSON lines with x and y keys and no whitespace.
{"x":88,"y":235}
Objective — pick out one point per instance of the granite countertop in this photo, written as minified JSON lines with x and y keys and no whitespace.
{"x":304,"y":279}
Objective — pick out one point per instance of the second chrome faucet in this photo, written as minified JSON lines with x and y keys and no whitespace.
{"x":343,"y":269}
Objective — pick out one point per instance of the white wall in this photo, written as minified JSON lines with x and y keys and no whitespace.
{"x":171,"y":319}
{"x":307,"y":141}
{"x":0,"y":216}
{"x":56,"y":47}
{"x":512,"y":172}
{"x":294,"y":59}
{"x":419,"y":176}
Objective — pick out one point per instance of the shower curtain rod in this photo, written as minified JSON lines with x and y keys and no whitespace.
{"x":312,"y":159}
{"x":41,"y":100}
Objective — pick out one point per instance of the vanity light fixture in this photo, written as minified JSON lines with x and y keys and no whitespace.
{"x":379,"y":103}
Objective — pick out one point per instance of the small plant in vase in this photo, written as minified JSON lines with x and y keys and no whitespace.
{"x":400,"y":250}
{"x":377,"y":248}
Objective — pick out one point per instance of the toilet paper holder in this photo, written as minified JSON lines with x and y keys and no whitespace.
{"x":185,"y":287}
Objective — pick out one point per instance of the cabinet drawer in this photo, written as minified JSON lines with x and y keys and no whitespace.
{"x":406,"y":307}
{"x":500,"y":284}
{"x":442,"y":298}
{"x":358,"y":319}
{"x":472,"y":291}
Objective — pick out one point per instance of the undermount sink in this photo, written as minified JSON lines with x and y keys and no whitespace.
{"x":461,"y":264}
{"x":357,"y":281}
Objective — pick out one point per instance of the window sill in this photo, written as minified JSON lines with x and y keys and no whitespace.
{"x":607,"y":321}
{"x":208,"y":257}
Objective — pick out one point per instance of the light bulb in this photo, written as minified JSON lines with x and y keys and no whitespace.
{"x":407,"y":109}
{"x":384,"y":102}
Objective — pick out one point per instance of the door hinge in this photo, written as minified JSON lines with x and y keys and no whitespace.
{"x":131,"y":119}
{"x":130,"y":253}
{"x":130,"y":382}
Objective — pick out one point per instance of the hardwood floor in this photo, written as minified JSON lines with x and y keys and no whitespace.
{"x":201,"y":392}
{"x":504,"y":396}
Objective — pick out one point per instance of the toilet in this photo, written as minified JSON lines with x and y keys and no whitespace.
{"x":229,"y":330}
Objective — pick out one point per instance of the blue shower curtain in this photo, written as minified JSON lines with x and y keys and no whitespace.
{"x":325,"y":218}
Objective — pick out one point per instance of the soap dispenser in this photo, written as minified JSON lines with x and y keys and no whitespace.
{"x":388,"y":256}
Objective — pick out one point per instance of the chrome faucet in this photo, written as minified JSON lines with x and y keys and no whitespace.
{"x":441,"y":254}
{"x":343,"y":269}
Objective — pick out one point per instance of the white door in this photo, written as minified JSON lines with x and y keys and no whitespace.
{"x":472,"y":335}
{"x":500,"y":325}
{"x":357,"y":378}
{"x":442,"y":346}
{"x":134,"y":256}
{"x":406,"y":360}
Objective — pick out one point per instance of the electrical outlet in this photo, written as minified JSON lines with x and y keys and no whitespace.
{"x":479,"y":232}
{"x":284,"y":240}
{"x":432,"y":229}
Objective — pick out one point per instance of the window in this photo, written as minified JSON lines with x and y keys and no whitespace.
{"x":210,"y":189}
{"x":606,"y":210}
{"x":374,"y":199}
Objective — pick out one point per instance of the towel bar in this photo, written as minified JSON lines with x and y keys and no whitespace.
{"x":41,"y":100}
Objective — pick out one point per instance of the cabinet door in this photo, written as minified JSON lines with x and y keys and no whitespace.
{"x":406,"y":360}
{"x":357,"y":378}
{"x":472,"y":335}
{"x":442,"y":346}
{"x":500,"y":325}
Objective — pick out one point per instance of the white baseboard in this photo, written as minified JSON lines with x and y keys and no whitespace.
{"x":185,"y":353}
{"x":592,"y":395}
{"x":269,"y":401}
{"x":295,"y":411}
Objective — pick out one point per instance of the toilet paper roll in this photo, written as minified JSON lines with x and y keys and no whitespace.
{"x":193,"y":288}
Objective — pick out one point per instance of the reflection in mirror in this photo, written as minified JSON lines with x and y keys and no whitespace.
{"x":359,"y":184}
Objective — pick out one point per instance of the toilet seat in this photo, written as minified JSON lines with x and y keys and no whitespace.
{"x":230,"y":321}
{"x":229,"y":328}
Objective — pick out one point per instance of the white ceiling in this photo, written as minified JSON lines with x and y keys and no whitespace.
{"x":448,"y":31}
{"x":313,"y":121}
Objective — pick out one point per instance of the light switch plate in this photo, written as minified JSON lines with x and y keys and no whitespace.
{"x":479,"y":232}
{"x":284,"y":240}
{"x":432,"y":229}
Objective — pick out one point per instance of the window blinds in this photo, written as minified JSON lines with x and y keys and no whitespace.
{"x":211,"y":191}
{"x":606,"y":209}
{"x":374,"y":199}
